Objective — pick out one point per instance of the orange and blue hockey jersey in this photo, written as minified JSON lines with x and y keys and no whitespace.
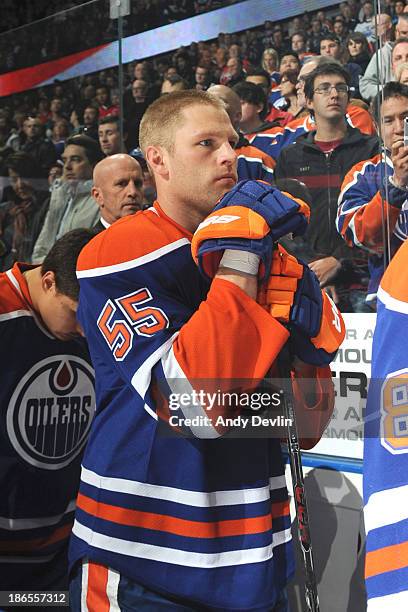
{"x":385,"y":468}
{"x":47,"y":401}
{"x":369,"y":206}
{"x":252,"y":163}
{"x":202,"y":518}
{"x":274,"y":140}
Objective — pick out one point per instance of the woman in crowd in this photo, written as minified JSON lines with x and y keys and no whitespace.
{"x":358,"y":51}
{"x":288,"y":91}
{"x":23,"y":212}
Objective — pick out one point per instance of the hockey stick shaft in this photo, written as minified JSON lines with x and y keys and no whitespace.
{"x":299,"y":493}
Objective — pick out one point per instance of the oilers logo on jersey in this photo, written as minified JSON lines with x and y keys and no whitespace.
{"x":51,"y":410}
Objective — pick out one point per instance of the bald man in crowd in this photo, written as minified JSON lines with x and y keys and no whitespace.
{"x":117,"y":188}
{"x":252,"y":162}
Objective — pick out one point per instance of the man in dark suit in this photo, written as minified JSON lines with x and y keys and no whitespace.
{"x":117,"y":188}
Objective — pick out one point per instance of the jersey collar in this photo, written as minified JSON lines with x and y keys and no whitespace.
{"x":17,"y":279}
{"x":161,"y":213}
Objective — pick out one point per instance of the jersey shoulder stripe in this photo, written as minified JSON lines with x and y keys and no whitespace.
{"x":252,"y":153}
{"x":131,"y":241}
{"x":394,"y":284}
{"x":365,"y":164}
{"x":301,"y":124}
{"x":12,"y":303}
{"x":362,"y":170}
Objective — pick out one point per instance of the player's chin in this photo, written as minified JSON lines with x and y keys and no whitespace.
{"x":229,"y":180}
{"x":224,"y":185}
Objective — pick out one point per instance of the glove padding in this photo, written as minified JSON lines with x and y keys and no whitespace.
{"x":293,"y":296}
{"x":253,"y":216}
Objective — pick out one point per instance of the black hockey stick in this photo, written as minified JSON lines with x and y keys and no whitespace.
{"x":299,"y":493}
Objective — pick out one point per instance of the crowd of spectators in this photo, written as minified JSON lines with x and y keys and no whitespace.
{"x":72,"y":26}
{"x":262,"y":75}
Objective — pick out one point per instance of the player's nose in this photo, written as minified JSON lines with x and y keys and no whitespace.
{"x":227,"y":153}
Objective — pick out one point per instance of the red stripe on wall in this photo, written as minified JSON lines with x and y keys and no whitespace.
{"x":27,"y":78}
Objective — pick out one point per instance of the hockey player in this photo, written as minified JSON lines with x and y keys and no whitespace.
{"x":373,"y":198}
{"x":177,"y":522}
{"x":47,"y":402}
{"x":385,"y":468}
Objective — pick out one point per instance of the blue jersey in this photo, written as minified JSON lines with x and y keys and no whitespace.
{"x":202,"y":518}
{"x":368,"y":207}
{"x":252,"y":163}
{"x":47,"y":402}
{"x":386,"y":446}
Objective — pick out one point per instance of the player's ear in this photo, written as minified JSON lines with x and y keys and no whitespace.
{"x":48,"y":283}
{"x":157,"y":158}
{"x":97,"y":196}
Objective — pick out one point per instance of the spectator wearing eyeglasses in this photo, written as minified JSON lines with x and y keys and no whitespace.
{"x":279,"y":138}
{"x":320,"y":159}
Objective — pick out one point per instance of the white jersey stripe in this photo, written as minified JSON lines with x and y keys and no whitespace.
{"x":141,"y":379}
{"x":15,"y":314}
{"x":112,"y":590}
{"x":24,"y":313}
{"x":14,"y":281}
{"x":180,"y":557}
{"x":179,"y":385}
{"x":352,"y":228}
{"x":133,"y":263}
{"x":356,"y":176}
{"x":198,"y":499}
{"x":392,"y":303}
{"x":270,"y":170}
{"x":32,"y":523}
{"x":385,"y":508}
{"x":84,"y":586}
{"x":397,"y":602}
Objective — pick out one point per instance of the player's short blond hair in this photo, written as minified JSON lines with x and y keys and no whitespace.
{"x":161,"y":119}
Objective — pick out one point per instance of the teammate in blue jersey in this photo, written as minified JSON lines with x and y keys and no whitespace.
{"x":196,"y":521}
{"x":385,"y":468}
{"x":47,"y":402}
{"x":373,"y":197}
